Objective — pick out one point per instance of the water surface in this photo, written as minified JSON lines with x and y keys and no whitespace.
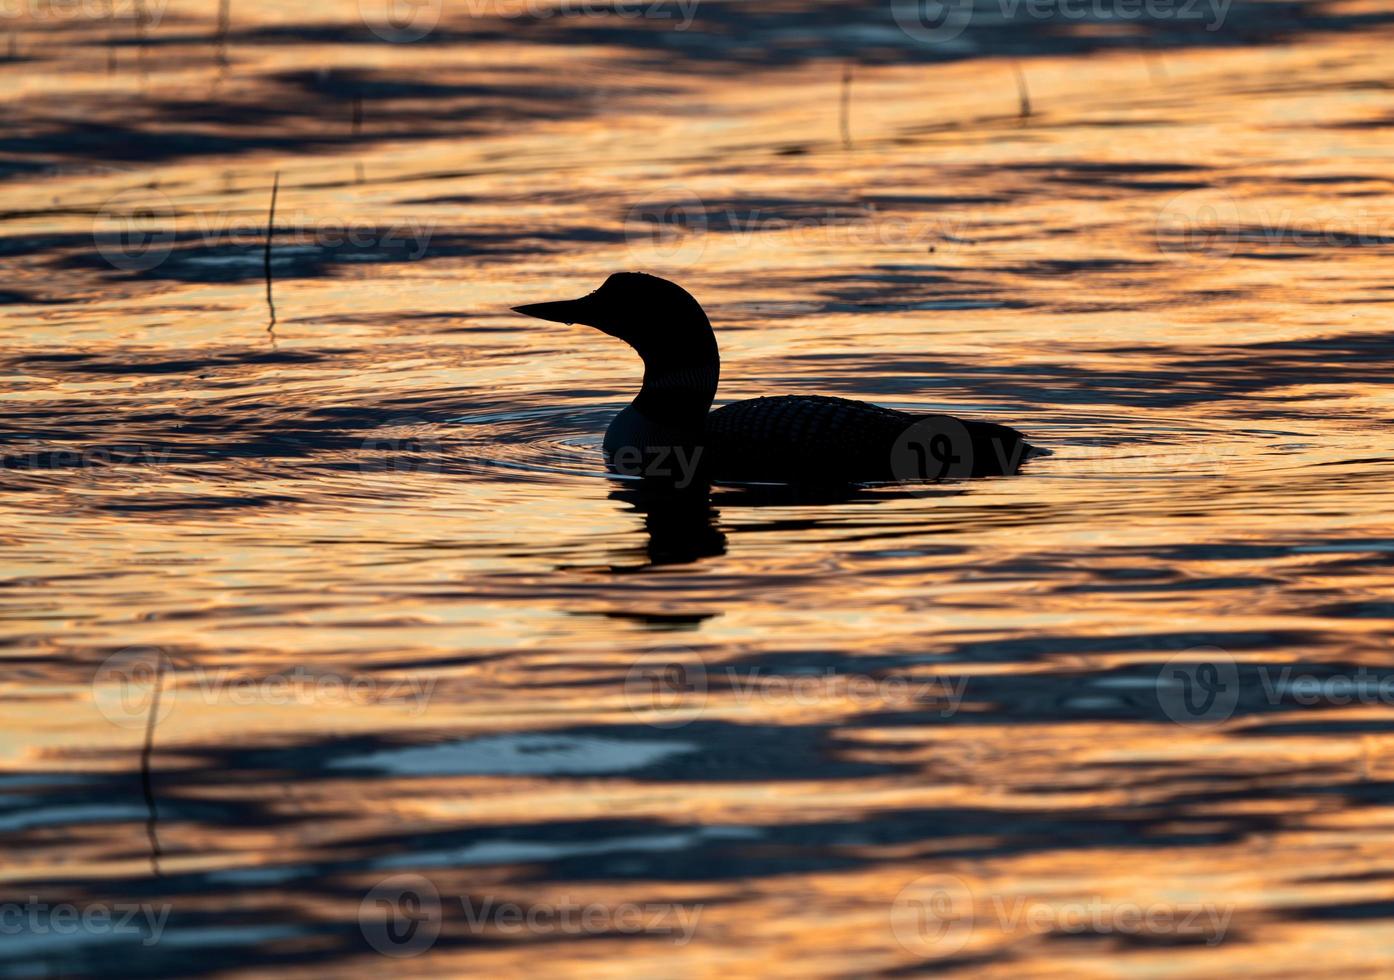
{"x":300,"y":601}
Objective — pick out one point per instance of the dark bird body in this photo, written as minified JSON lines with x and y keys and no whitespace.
{"x":812,"y":437}
{"x":669,"y":430}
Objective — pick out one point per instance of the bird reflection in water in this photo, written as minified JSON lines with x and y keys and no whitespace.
{"x":681,"y":523}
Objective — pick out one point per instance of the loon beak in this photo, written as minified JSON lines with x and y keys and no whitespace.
{"x":581,"y":310}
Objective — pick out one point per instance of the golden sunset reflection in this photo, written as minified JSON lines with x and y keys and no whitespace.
{"x":297,"y":606}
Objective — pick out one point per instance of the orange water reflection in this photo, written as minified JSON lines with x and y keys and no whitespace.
{"x":402,"y":625}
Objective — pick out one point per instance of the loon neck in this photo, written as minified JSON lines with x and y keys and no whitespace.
{"x":679,"y":394}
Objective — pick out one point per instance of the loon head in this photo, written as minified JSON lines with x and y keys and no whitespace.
{"x":658,"y":318}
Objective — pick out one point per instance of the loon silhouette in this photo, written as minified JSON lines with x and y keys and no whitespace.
{"x":670,"y":430}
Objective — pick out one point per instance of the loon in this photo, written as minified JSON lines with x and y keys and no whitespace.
{"x":670,"y":431}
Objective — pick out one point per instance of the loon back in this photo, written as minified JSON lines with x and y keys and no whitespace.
{"x":668,"y":430}
{"x":812,"y":437}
